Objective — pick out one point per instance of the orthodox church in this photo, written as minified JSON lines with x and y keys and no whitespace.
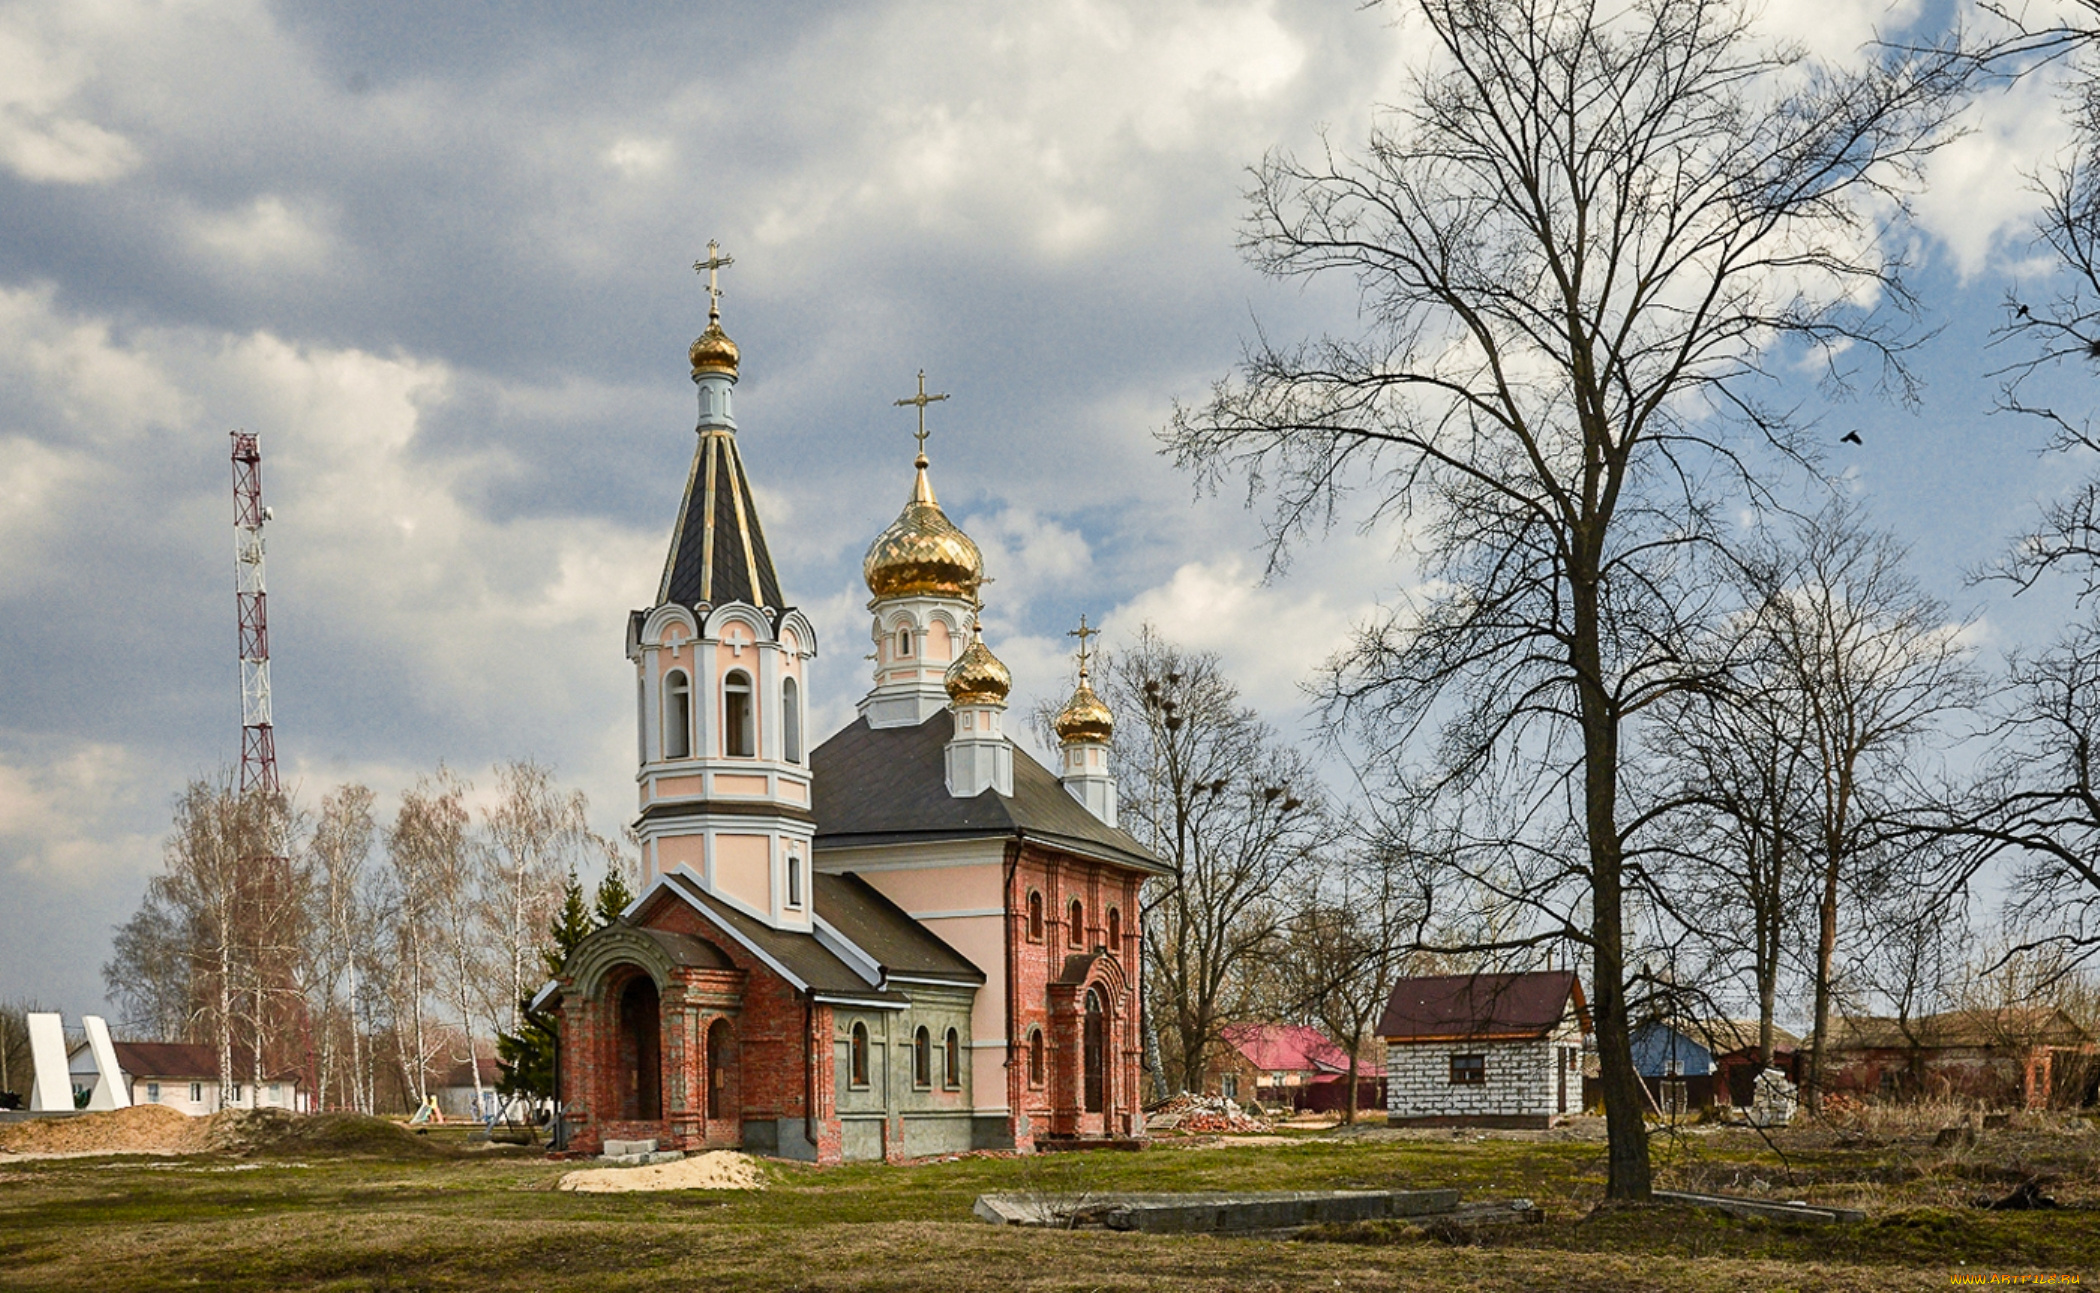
{"x":910,"y":939}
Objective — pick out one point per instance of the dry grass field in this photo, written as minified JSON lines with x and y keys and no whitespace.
{"x":345,"y":1207}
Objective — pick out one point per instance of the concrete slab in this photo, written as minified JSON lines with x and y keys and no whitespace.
{"x":109,"y":1092}
{"x":643,"y":1159}
{"x":1210,"y":1213}
{"x":1769,"y":1209}
{"x":53,"y":1091}
{"x":622,"y":1148}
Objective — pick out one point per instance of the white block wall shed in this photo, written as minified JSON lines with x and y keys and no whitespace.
{"x":1484,"y":1050}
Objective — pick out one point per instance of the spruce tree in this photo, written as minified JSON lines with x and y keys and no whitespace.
{"x":526,"y":1059}
{"x":613,"y":896}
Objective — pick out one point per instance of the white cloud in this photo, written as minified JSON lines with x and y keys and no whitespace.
{"x":265,"y":233}
{"x":39,"y":139}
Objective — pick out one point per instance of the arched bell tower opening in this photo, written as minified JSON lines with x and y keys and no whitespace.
{"x":640,"y":1073}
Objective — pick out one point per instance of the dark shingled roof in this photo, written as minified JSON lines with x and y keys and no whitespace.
{"x":889,"y":786}
{"x":883,"y":930}
{"x":806,"y":962}
{"x":690,"y":576}
{"x":1481,"y":1005}
{"x":189,"y":1061}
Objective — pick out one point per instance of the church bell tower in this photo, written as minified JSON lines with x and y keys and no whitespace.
{"x":722,"y":678}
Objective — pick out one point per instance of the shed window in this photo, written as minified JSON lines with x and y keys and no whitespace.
{"x":1075,"y":917}
{"x":951,"y":1076}
{"x":196,"y":1093}
{"x":1229,"y":1086}
{"x":922,"y":1058}
{"x":858,"y":1067}
{"x":1035,"y":916}
{"x":739,"y":732}
{"x":678,"y":715}
{"x":1469,"y":1070}
{"x":153,"y":1093}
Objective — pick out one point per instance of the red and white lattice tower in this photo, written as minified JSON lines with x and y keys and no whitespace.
{"x":258,"y":744}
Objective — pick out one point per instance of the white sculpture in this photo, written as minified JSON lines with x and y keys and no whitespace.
{"x":109,"y":1092}
{"x":53,"y":1091}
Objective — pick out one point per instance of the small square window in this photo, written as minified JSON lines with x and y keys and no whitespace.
{"x":1469,"y":1070}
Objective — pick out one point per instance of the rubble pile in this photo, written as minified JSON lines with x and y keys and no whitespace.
{"x":1203,"y":1115}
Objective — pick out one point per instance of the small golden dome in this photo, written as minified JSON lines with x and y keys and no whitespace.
{"x":922,"y":552}
{"x":713,"y":351}
{"x":977,"y":677}
{"x":1084,"y":717}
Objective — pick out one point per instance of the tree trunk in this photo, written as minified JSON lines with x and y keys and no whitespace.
{"x":1826,"y":956}
{"x":1626,"y":1128}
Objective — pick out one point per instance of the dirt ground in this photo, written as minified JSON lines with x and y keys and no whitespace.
{"x":281,"y":1209}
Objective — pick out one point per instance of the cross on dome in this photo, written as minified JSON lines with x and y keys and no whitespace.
{"x":715,"y":261}
{"x":922,"y":399}
{"x":1082,"y":633}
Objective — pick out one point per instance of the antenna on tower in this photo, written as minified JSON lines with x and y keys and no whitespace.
{"x":258,"y":743}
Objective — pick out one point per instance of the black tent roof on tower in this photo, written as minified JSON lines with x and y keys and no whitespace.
{"x":718,"y":551}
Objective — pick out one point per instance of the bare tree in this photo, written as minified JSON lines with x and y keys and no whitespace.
{"x":427,"y":862}
{"x":340,"y":851}
{"x":1579,"y":241}
{"x":1876,"y":667}
{"x":535,"y":832}
{"x":1204,"y":783}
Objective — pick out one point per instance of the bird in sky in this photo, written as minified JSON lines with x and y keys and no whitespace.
{"x":1851,"y":437}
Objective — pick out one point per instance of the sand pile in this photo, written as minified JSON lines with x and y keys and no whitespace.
{"x":720,"y":1169}
{"x":141,"y":1129}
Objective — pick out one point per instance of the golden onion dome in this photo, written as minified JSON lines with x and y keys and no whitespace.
{"x":977,"y":677}
{"x":713,"y":351}
{"x":922,"y":552}
{"x":1084,"y":717}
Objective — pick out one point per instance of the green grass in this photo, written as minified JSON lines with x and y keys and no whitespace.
{"x":430,"y":1217}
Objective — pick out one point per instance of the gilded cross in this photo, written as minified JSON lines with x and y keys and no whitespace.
{"x":715,"y":261}
{"x":922,"y":399}
{"x":1082,"y":633}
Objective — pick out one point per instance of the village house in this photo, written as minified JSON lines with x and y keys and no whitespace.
{"x":1290,"y":1066}
{"x":1484,"y":1050}
{"x":2027,"y":1058}
{"x":910,"y":939}
{"x":185,"y":1076}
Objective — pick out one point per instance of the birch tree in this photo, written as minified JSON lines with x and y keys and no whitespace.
{"x":536,"y":832}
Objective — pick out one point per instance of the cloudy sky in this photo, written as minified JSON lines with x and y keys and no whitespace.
{"x":439,"y":258}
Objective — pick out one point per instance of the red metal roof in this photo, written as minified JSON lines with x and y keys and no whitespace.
{"x":1531,"y":1004}
{"x":1293,"y":1048}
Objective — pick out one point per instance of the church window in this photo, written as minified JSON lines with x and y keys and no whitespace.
{"x":922,"y":1058}
{"x":791,"y":721}
{"x":859,"y":1062}
{"x":794,"y":882}
{"x":739,"y":731}
{"x":1076,"y":918}
{"x":678,"y":715}
{"x":1035,"y":1057}
{"x":1115,"y":932}
{"x":1035,"y":916}
{"x":951,"y":1076}
{"x":903,"y":641}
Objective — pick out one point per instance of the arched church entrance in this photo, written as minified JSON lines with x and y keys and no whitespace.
{"x":640,"y":1068}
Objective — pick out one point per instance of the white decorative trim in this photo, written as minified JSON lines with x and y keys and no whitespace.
{"x":962,"y":914}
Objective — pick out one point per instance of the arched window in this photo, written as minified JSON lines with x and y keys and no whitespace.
{"x":1035,"y":916}
{"x":1035,"y":1057}
{"x":790,"y":721}
{"x":922,"y":1058}
{"x":951,"y":1071}
{"x":857,"y":1073}
{"x":794,"y":881}
{"x":1076,"y":917}
{"x":739,"y":732}
{"x":1115,"y":932}
{"x":1093,"y":1054}
{"x":678,"y":715}
{"x":903,"y":641}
